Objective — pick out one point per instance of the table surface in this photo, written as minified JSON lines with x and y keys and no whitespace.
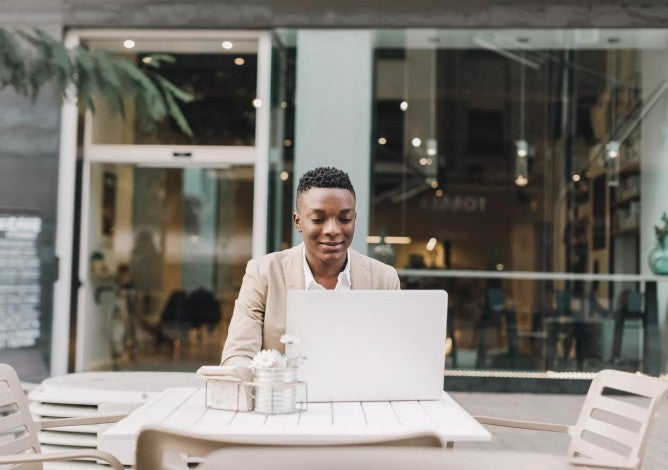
{"x":183,"y":409}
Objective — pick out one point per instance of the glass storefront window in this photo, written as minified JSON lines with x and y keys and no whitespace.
{"x":519,"y":171}
{"x":502,"y":155}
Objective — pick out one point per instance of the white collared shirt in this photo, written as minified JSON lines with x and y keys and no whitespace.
{"x":342,"y":283}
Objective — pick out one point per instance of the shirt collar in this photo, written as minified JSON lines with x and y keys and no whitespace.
{"x":343,"y":279}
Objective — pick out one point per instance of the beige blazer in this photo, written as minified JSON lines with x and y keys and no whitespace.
{"x":258,"y":320}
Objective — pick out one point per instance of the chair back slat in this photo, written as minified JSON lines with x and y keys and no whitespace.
{"x":17,"y":446}
{"x":622,"y":408}
{"x":593,"y":451}
{"x":7,"y":397}
{"x":623,"y":436}
{"x":17,"y":428}
{"x":12,"y":421}
{"x":610,"y":431}
{"x":162,"y":448}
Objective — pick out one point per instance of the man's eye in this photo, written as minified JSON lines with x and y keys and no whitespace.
{"x":346,"y":220}
{"x":316,"y":221}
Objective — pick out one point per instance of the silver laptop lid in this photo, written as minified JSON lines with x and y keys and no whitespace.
{"x":369,"y":345}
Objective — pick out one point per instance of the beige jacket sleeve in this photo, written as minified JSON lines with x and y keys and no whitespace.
{"x":244,"y":337}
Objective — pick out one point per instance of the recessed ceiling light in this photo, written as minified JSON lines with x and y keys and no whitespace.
{"x":257,"y":102}
{"x":239,"y":61}
{"x":403,"y":105}
{"x":227,"y":45}
{"x":128,"y":44}
{"x":382,"y":141}
{"x":416,"y":142}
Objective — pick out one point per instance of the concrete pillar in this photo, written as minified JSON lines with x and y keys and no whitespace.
{"x":333,"y":111}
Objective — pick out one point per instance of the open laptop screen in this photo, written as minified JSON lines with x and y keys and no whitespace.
{"x":369,"y":345}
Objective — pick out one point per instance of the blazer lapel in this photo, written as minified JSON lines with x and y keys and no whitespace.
{"x":293,"y":268}
{"x":360,"y":271}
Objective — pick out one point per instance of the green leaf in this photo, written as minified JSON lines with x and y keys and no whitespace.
{"x":156,"y":61}
{"x":149,"y":97}
{"x":108,"y":81}
{"x":177,"y":115}
{"x":31,"y":59}
{"x":12,"y":65}
{"x":173,"y":89}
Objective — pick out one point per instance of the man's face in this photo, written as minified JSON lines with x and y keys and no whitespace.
{"x":326,"y":219}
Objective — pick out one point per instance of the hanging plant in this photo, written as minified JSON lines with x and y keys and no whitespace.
{"x":31,"y":59}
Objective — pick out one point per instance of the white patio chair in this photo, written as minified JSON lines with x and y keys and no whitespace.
{"x":19,"y":444}
{"x":164,"y":449}
{"x":377,"y":457}
{"x":611,"y":432}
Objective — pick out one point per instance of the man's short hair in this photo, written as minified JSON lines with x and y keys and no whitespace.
{"x":325,"y":177}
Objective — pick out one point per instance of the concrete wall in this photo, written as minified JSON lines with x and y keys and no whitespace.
{"x":29,"y":135}
{"x":341,"y":13}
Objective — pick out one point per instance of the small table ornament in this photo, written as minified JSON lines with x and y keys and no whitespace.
{"x":268,"y":386}
{"x":276,"y":380}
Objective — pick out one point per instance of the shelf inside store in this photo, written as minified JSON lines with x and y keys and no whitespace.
{"x":630,"y":168}
{"x":626,"y":231}
{"x":625,"y":201}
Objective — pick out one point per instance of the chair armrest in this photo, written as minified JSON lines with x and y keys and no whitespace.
{"x":57,"y":456}
{"x":511,"y":423}
{"x":86,"y":420}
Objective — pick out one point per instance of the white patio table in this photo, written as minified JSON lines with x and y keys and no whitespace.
{"x":183,"y":409}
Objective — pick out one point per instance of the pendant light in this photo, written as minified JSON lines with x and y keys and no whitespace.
{"x":521,"y":145}
{"x":612,"y":147}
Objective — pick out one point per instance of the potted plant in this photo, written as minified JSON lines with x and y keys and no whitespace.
{"x":31,"y":59}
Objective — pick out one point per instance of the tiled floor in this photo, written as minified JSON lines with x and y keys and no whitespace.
{"x":551,"y":408}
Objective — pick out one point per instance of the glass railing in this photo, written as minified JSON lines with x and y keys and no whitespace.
{"x":547,"y":322}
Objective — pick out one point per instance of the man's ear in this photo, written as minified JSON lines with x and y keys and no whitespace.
{"x":296,"y":219}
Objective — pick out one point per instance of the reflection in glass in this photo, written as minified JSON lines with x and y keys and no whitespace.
{"x":169,"y":268}
{"x":222,"y":112}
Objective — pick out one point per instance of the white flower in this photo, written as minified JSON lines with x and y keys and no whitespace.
{"x":287,"y":338}
{"x":267,"y":359}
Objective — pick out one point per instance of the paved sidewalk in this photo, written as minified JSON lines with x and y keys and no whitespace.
{"x":551,"y":408}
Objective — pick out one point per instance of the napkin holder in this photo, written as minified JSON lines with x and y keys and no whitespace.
{"x":225,"y":388}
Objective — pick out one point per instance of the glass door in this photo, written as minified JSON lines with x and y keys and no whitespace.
{"x":168,"y":221}
{"x":167,"y":251}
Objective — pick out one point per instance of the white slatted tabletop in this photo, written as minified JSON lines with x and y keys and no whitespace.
{"x":183,"y":409}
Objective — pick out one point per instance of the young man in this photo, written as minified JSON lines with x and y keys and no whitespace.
{"x":325,"y":216}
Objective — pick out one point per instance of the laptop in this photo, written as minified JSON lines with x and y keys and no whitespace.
{"x":363,"y":345}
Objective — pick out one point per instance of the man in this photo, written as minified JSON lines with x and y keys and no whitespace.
{"x":325,"y":216}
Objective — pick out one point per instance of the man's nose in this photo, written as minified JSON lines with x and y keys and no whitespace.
{"x":331,"y":227}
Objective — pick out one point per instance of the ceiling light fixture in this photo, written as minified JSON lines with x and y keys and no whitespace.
{"x":612,"y":147}
{"x":521,"y":145}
